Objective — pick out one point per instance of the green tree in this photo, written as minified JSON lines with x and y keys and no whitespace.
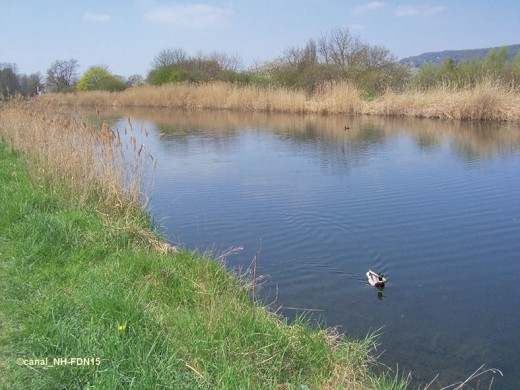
{"x":31,"y":85}
{"x":471,"y":72}
{"x":515,"y":71}
{"x":426,"y":77}
{"x":495,"y":61}
{"x":174,"y":65}
{"x":167,"y":74}
{"x":449,"y":74}
{"x":9,"y":83}
{"x":516,"y":61}
{"x":99,"y":78}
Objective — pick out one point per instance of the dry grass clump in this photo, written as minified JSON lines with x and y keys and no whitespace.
{"x":336,"y":98}
{"x":89,"y":163}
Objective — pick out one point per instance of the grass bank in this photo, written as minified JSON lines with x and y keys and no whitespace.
{"x":90,"y":299}
{"x":487,"y":100}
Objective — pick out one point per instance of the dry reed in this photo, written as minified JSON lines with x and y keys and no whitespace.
{"x":89,"y":163}
{"x":488,"y":101}
{"x":473,"y":377}
{"x":337,"y":98}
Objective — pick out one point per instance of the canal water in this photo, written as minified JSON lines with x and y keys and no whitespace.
{"x":434,"y":205}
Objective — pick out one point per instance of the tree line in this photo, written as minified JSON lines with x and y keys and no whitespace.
{"x":496,"y":66}
{"x":337,"y":55}
{"x":61,"y":76}
{"x":12,"y":83}
{"x":334,"y":56}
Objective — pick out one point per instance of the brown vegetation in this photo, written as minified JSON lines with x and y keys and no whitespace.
{"x":86,"y":162}
{"x":487,"y":101}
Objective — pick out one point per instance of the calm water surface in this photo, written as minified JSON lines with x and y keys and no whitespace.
{"x":434,"y":205}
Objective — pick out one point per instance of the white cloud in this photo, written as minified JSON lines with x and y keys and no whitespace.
{"x":367,"y":7}
{"x":424,"y":10}
{"x":189,"y":15}
{"x":98,"y":18}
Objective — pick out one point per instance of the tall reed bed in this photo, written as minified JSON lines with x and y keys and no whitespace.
{"x":488,"y":100}
{"x":335,"y":98}
{"x":86,"y":162}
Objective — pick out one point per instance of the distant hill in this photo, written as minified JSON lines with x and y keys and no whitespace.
{"x":439,"y":57}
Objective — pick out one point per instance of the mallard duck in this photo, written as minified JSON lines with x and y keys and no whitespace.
{"x":376,"y":280}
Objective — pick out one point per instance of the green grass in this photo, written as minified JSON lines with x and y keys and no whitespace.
{"x":70,"y":278}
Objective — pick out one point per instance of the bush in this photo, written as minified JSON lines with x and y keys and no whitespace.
{"x":260,"y":80}
{"x":167,"y":74}
{"x":99,"y":79}
{"x":234,"y":77}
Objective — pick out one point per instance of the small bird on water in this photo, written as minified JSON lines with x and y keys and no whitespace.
{"x":375,"y":279}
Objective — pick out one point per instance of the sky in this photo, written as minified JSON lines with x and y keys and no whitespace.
{"x":126,"y":35}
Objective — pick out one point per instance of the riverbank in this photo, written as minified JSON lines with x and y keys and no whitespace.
{"x":487,"y":101}
{"x":91,"y":298}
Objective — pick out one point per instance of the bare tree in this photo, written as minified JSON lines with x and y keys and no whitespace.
{"x":292,"y":56}
{"x":225,"y":61}
{"x":310,"y":53}
{"x":62,"y":76}
{"x":10,"y":65}
{"x":339,"y":47}
{"x":301,"y":58}
{"x":169,"y":57}
{"x":135,"y":80}
{"x":375,"y":57}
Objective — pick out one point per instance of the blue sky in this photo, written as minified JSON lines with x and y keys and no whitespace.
{"x":127,"y":34}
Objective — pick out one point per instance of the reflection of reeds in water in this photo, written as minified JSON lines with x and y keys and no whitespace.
{"x":486,"y":101}
{"x":89,"y":163}
{"x":466,"y":138}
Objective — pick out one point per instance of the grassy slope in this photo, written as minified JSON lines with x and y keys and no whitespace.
{"x":69,"y":279}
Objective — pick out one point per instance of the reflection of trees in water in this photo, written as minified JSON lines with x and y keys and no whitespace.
{"x":181,"y":141}
{"x":427,"y":142}
{"x":325,"y":136}
{"x":337,"y":151}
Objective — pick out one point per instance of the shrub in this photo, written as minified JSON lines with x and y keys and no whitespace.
{"x":167,"y":74}
{"x":260,"y":80}
{"x":99,"y":79}
{"x":234,"y":77}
